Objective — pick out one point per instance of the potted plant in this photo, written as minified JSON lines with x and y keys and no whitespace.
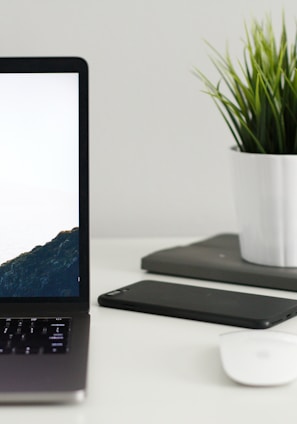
{"x":257,"y":98}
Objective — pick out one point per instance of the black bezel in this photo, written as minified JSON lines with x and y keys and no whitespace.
{"x":77,"y":65}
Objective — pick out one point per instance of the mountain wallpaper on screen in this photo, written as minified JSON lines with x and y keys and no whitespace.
{"x":50,"y":270}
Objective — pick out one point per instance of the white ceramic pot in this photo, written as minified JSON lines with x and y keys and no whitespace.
{"x":265,"y":197}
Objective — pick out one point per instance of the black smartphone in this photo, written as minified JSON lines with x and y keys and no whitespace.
{"x":201,"y":304}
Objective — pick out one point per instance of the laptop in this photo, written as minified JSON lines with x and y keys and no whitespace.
{"x":44,"y":229}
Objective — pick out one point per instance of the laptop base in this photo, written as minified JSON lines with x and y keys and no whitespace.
{"x":42,"y":397}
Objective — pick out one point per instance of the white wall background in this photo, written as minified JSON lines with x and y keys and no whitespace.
{"x":159,"y":149}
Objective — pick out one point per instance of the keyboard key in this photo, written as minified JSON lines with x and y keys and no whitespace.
{"x":25,"y":336}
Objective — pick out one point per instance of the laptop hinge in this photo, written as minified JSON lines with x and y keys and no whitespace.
{"x":42,"y":309}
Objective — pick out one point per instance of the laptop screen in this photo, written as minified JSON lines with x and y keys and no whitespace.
{"x":39,"y":185}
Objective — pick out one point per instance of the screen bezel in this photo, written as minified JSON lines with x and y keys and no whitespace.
{"x":64,"y":65}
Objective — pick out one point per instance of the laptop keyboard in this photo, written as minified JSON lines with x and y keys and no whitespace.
{"x":30,"y":336}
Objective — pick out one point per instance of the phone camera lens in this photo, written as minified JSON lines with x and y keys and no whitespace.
{"x":113,"y":293}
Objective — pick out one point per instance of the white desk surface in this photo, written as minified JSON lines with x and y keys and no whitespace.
{"x":152,"y":369}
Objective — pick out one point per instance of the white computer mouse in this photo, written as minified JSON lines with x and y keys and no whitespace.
{"x":259,"y":357}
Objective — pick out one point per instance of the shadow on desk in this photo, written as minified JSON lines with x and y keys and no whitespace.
{"x":208,"y":369}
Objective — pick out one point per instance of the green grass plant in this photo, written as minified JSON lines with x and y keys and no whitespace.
{"x":260,"y":107}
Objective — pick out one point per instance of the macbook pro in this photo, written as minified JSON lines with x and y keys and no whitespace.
{"x":44,"y":234}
